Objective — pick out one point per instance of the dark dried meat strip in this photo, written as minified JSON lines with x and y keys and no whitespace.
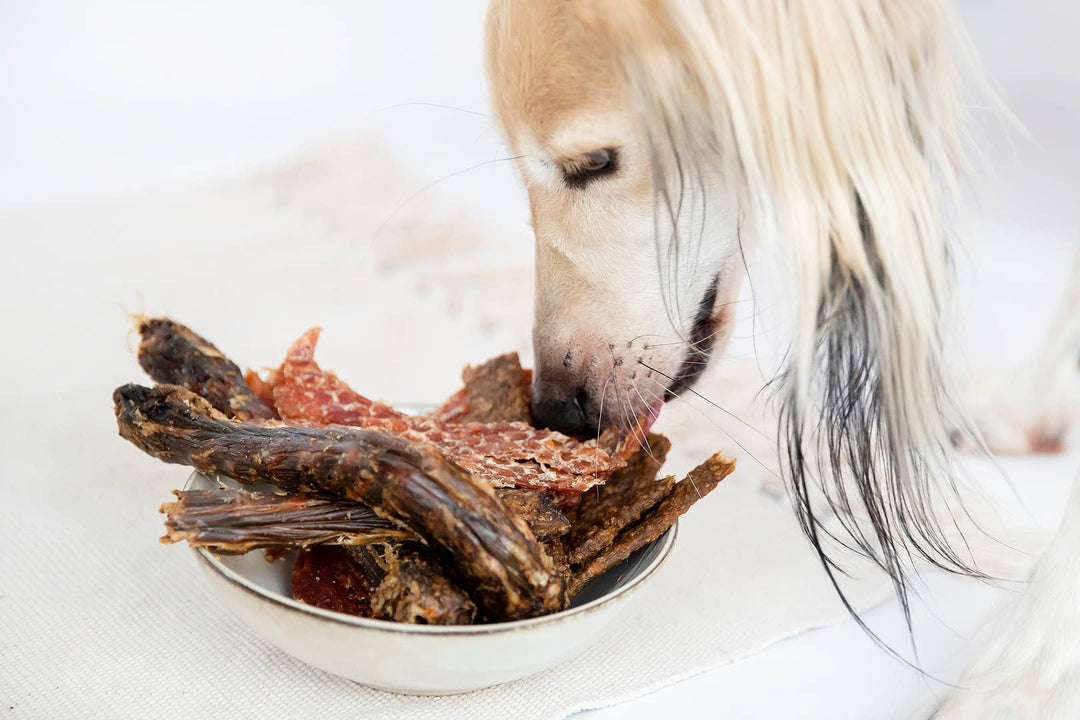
{"x":328,"y":577}
{"x":171,"y":353}
{"x":538,"y":509}
{"x":414,"y":586}
{"x":412,"y":483}
{"x":699,"y":482}
{"x":232,"y":522}
{"x":498,"y":391}
{"x":556,"y":550}
{"x":629,"y":492}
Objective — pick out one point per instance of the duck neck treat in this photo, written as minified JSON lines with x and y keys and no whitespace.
{"x":468,"y":514}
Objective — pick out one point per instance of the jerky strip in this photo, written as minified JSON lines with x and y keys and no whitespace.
{"x":505,"y":454}
{"x":605,"y":511}
{"x":171,"y":353}
{"x":538,"y":509}
{"x":454,"y":410}
{"x":556,"y":550}
{"x":232,"y":522}
{"x":414,"y":587}
{"x":498,"y":391}
{"x":698,"y":483}
{"x":409,"y":482}
{"x":327,"y":577}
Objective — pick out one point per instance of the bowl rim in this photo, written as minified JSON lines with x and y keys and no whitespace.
{"x":667,"y":543}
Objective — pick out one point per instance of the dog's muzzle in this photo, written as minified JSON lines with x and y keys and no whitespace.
{"x":564,"y":409}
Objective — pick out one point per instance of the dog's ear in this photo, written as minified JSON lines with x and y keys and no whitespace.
{"x":836,"y":127}
{"x":869,"y":438}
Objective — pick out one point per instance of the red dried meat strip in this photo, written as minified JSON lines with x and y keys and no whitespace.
{"x":503,"y":454}
{"x":304,"y":391}
{"x":456,"y":409}
{"x":263,"y":389}
{"x":328,"y":577}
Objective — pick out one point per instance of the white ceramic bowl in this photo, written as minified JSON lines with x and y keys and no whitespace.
{"x":421,"y":659}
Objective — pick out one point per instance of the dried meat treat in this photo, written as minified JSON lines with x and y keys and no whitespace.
{"x":699,"y":482}
{"x":414,"y":586}
{"x":454,"y":410}
{"x":498,"y":391}
{"x":512,"y":398}
{"x":171,"y":353}
{"x":304,"y":391}
{"x":538,"y":509}
{"x":329,"y":578}
{"x":556,"y":550}
{"x":492,"y":549}
{"x":264,"y":389}
{"x":607,"y":509}
{"x":231,"y":522}
{"x":503,"y":454}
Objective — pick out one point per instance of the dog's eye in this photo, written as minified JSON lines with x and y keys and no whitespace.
{"x":579,"y":171}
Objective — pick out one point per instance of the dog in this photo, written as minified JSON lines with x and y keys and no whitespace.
{"x":670,"y":149}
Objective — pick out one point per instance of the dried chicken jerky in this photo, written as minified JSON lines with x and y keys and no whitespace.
{"x":414,"y":587}
{"x":607,"y":509}
{"x":232,"y":522}
{"x":171,"y":353}
{"x":329,"y":578}
{"x":498,"y":391}
{"x":409,"y":482}
{"x":503,"y":454}
{"x":699,"y":482}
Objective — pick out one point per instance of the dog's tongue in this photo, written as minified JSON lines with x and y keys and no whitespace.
{"x":651,"y":416}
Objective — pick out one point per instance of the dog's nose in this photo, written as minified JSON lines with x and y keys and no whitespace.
{"x":562,"y":411}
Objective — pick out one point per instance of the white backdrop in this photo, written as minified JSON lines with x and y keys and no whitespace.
{"x":118,"y":99}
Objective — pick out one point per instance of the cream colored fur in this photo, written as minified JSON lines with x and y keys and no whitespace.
{"x":818,"y":145}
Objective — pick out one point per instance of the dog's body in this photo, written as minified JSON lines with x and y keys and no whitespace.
{"x":669,"y":147}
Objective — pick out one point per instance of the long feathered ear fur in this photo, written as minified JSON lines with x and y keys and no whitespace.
{"x":836,"y":125}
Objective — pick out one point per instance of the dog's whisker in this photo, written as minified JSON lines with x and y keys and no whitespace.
{"x":646,"y":405}
{"x":433,"y":183}
{"x":721,"y":428}
{"x":630,"y":423}
{"x":690,"y":477}
{"x":600,"y":424}
{"x":645,"y":335}
{"x":397,"y":106}
{"x":716,"y":405}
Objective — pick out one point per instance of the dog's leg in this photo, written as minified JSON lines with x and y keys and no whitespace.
{"x":1031,"y":668}
{"x":1029,"y":410}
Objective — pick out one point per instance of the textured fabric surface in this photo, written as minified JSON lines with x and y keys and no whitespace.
{"x":99,"y":620}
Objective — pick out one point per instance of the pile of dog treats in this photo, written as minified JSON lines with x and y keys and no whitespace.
{"x":466,"y":514}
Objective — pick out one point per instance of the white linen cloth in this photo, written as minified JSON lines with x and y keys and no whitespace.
{"x":99,"y":620}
